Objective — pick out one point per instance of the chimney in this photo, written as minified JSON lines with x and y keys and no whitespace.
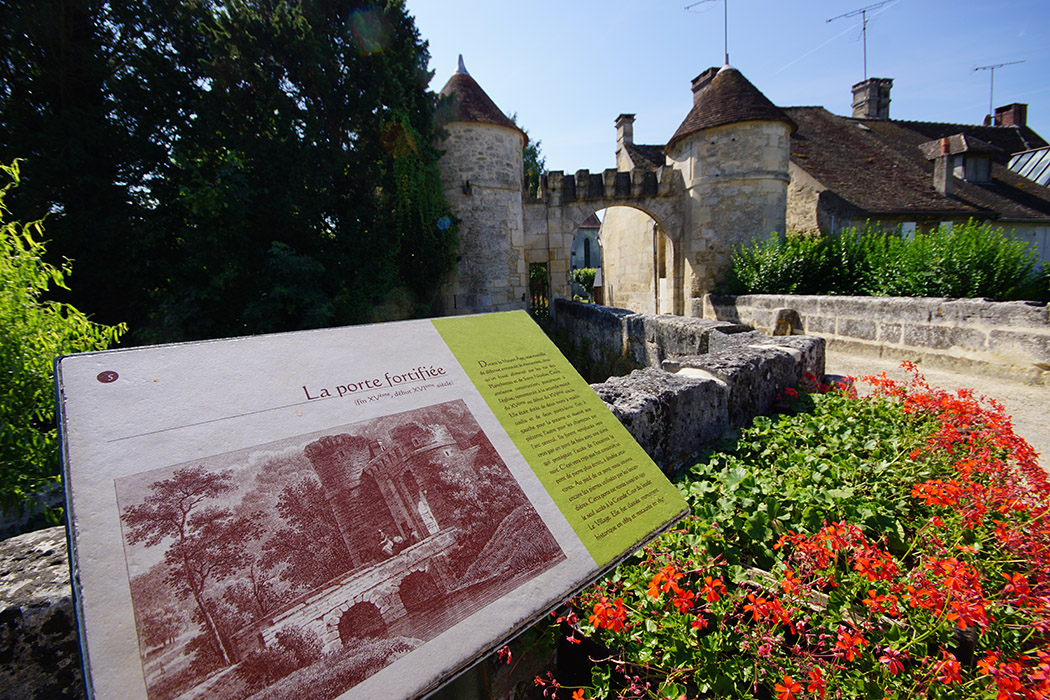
{"x":1015,"y":114}
{"x":871,"y":98}
{"x":701,"y":82}
{"x":942,"y":169}
{"x":624,"y":131}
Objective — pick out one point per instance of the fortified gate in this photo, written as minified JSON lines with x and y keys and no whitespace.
{"x":672,"y":219}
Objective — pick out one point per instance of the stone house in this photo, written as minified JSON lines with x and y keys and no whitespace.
{"x":737,"y":168}
{"x":909,"y":175}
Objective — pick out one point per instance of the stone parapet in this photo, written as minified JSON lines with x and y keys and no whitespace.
{"x":701,"y":377}
{"x":1007,"y":339}
{"x":671,"y":416}
{"x":39,"y":653}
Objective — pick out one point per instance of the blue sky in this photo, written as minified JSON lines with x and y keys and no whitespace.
{"x":569,"y":67}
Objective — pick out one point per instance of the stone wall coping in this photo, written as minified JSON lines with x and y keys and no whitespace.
{"x":997,"y":338}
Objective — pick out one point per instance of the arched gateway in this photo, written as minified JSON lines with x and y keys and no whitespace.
{"x":720,"y":181}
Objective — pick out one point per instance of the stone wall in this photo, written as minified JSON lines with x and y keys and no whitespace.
{"x":1008,"y":339}
{"x":39,"y":654}
{"x":736,"y":177}
{"x":481,"y":173}
{"x":701,"y":376}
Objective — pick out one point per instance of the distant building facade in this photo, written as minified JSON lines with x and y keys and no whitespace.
{"x":737,"y":169}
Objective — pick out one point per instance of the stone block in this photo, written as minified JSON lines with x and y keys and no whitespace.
{"x":859,"y":328}
{"x":602,"y":327}
{"x":681,"y":335}
{"x":39,"y":652}
{"x":1028,"y":348}
{"x":786,"y":321}
{"x":926,"y":336}
{"x":722,"y":339}
{"x":890,"y":333}
{"x":754,"y":375}
{"x":671,"y":417}
{"x":813,"y":351}
{"x":814,"y":323}
{"x":944,"y":337}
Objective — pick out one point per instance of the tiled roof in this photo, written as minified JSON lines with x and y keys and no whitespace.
{"x":591,"y":221}
{"x":728,"y":99}
{"x":1011,"y":139}
{"x":651,"y":157}
{"x":878,"y":167}
{"x":470,"y":103}
{"x":958,"y":143}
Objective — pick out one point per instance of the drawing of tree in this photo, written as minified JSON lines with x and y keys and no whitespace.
{"x":253,"y":596}
{"x":159,"y":628}
{"x":311,"y":550}
{"x":206,"y":543}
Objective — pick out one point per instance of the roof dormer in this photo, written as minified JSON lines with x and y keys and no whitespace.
{"x":961,"y":156}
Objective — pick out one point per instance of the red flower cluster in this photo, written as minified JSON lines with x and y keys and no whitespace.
{"x":612,"y":616}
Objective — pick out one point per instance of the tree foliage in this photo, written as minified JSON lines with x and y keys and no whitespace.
{"x":32,"y":332}
{"x":230,"y":168}
{"x":310,"y":550}
{"x":533,"y":162}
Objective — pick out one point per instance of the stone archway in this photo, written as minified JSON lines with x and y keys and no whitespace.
{"x":361,"y":620}
{"x":639,"y":269}
{"x":419,"y":593}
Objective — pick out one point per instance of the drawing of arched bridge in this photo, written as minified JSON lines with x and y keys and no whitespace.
{"x":396,"y":597}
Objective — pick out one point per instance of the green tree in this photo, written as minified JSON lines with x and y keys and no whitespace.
{"x":230,"y":168}
{"x":305,"y":193}
{"x":32,"y":332}
{"x":533,"y":162}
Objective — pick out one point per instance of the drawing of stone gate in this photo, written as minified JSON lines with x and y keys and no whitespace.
{"x":424,"y":549}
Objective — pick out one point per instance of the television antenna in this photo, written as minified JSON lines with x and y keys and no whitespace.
{"x":863,"y":12}
{"x":725,"y":23}
{"x":991,"y":87}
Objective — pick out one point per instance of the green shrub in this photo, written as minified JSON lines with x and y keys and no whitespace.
{"x":584,"y":277}
{"x":33,"y":331}
{"x":780,"y":264}
{"x":844,"y":459}
{"x":967,"y":260}
{"x":962,"y":260}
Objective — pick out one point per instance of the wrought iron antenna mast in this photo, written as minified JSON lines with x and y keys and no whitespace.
{"x":725,"y":24}
{"x":863,"y":12}
{"x":991,"y":87}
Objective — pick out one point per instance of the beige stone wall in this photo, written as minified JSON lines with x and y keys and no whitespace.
{"x":628,"y":261}
{"x":491,"y":274}
{"x":736,"y":177}
{"x":998,"y":338}
{"x":802,"y":198}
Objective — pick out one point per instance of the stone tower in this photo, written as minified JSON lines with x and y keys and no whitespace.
{"x":733,"y":150}
{"x":481,"y":173}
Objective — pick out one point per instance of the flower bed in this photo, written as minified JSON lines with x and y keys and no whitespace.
{"x":890,"y":546}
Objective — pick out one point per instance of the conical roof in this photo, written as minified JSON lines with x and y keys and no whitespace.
{"x":471,"y":104}
{"x":729,"y":98}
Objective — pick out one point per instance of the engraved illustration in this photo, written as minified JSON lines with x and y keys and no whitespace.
{"x":301,"y":567}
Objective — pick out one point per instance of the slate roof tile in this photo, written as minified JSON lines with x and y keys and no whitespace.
{"x":471,"y":104}
{"x":879,"y":167}
{"x":729,"y":98}
{"x":651,"y":157}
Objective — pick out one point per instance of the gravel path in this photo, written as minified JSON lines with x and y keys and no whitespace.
{"x":1028,"y":405}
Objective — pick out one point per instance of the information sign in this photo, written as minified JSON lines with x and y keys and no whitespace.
{"x":355,"y":512}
